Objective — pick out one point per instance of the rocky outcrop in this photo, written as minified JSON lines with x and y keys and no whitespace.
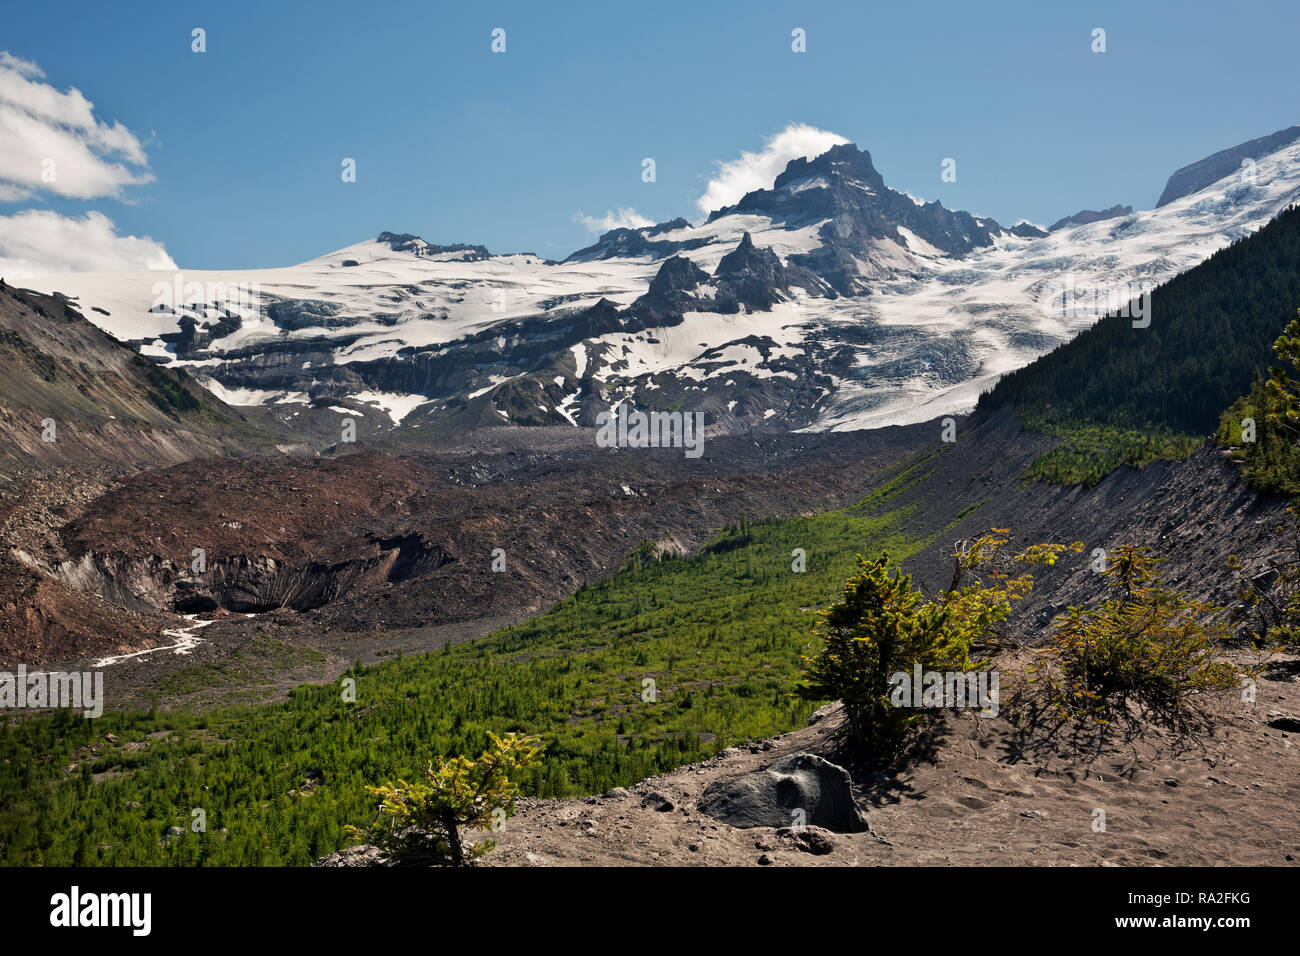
{"x":195,"y":336}
{"x":1085,"y":216}
{"x":753,"y":277}
{"x":678,"y":274}
{"x":247,"y":584}
{"x":1212,"y":168}
{"x":406,"y":242}
{"x":294,"y":314}
{"x":1027,"y":230}
{"x":600,"y":318}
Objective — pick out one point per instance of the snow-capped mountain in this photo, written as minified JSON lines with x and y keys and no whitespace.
{"x":826,"y":301}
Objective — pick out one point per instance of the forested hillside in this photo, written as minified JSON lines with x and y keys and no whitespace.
{"x":1125,"y":395}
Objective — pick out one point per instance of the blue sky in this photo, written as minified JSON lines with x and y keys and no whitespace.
{"x":458,"y":144}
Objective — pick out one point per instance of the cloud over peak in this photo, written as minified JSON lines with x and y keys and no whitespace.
{"x":625,"y":218}
{"x":753,"y":171}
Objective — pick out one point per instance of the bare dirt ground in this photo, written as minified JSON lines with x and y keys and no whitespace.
{"x":1227,"y":800}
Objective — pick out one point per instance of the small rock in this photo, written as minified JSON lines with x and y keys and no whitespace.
{"x":1170,"y":782}
{"x":618,"y":793}
{"x":353,"y":856}
{"x":812,"y":840}
{"x":765,"y":860}
{"x":821,"y":713}
{"x":658,"y":802}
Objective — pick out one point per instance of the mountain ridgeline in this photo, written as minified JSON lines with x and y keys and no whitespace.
{"x":826,"y":300}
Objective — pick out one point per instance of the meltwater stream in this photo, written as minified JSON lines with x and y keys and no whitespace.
{"x":186,"y":642}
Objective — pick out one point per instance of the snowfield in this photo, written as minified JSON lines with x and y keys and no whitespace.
{"x":422,"y":333}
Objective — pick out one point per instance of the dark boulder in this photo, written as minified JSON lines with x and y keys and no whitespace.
{"x":772,"y":797}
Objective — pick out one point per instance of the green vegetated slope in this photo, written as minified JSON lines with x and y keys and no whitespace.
{"x":1119,"y":395}
{"x":720,"y":633}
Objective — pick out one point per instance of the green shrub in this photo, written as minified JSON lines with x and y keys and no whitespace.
{"x":1144,"y":655}
{"x":882,"y":626}
{"x":422,"y":823}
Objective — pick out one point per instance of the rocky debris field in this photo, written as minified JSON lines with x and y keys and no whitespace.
{"x":398,"y":536}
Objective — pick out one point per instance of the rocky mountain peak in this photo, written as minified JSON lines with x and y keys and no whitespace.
{"x":843,"y":163}
{"x":755,"y":276}
{"x":678,"y":274}
{"x":842,"y":190}
{"x":748,"y":259}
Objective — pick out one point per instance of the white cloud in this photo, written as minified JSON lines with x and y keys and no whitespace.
{"x":39,"y":242}
{"x":757,"y":170}
{"x":625,"y":218}
{"x":52,"y":141}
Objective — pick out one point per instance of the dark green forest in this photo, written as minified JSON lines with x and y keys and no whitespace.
{"x":1123,"y":395}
